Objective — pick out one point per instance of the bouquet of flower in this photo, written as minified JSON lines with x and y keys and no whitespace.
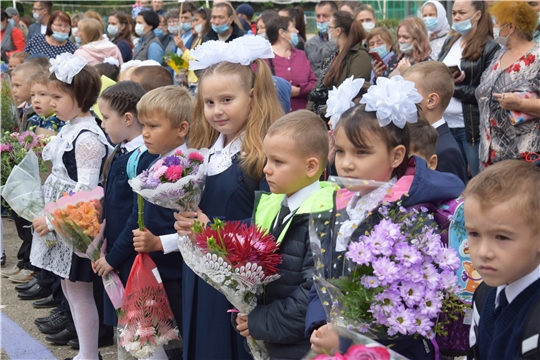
{"x":237,"y":260}
{"x":76,"y":218}
{"x":391,"y":274}
{"x":145,"y":320}
{"x":179,"y":66}
{"x":8,"y":108}
{"x":175,"y":182}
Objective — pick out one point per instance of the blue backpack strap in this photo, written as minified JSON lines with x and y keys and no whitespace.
{"x":133,"y":161}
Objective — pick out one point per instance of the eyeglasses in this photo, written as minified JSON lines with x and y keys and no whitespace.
{"x":34,"y":9}
{"x":62,"y":26}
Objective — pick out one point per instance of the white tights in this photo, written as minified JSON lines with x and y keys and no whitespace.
{"x":80,"y":296}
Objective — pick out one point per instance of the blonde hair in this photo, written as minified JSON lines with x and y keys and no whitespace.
{"x":94,"y":15}
{"x":27,"y":69}
{"x":20,"y":55}
{"x":384,"y":34}
{"x":264,"y":110}
{"x":41,"y":78}
{"x":434,"y":77}
{"x":174,"y":103}
{"x":509,"y":180}
{"x":518,"y":13}
{"x":90,"y":30}
{"x":418,"y":32}
{"x":308,"y":131}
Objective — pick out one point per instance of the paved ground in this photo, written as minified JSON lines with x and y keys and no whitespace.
{"x":20,"y":338}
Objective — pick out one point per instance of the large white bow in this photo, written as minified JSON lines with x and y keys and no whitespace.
{"x":65,"y":66}
{"x":340,"y":99}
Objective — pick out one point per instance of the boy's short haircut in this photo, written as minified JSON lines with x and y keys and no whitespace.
{"x":152,"y":77}
{"x":41,"y":60}
{"x":435,"y":78}
{"x":308,"y":132}
{"x":423,"y":139}
{"x":20,"y":55}
{"x":173,"y":102}
{"x":27,"y":69}
{"x":40,"y":78}
{"x":509,"y":181}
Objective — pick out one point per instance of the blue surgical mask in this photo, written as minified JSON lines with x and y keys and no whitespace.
{"x":331,"y":39}
{"x":186,"y":26}
{"x":381,"y":50}
{"x":158,"y":31}
{"x":263,"y":35}
{"x":431,"y":22}
{"x":220,"y":29}
{"x":405,"y":48}
{"x":60,"y":36}
{"x":78,"y":40}
{"x":323,"y":27}
{"x":12,"y":22}
{"x":294,"y":39}
{"x":463,"y":27}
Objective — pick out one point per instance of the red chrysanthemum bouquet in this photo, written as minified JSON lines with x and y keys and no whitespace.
{"x":237,"y":260}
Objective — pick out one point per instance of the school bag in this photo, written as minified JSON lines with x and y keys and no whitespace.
{"x":133,"y":161}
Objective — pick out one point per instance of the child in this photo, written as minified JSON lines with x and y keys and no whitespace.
{"x":21,"y":91}
{"x":165,"y":114}
{"x":118,"y":106}
{"x":370,"y":149}
{"x":41,"y":103}
{"x":235,"y":107}
{"x":502,"y":218}
{"x":17,"y":59}
{"x":423,"y":142}
{"x":78,"y":154}
{"x":152,"y":77}
{"x":296,"y":148}
{"x":435,"y":83}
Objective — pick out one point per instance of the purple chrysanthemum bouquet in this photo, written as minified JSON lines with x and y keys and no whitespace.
{"x":381,"y":270}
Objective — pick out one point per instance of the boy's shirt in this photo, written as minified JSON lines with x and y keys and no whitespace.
{"x":295,"y":200}
{"x":52,"y":122}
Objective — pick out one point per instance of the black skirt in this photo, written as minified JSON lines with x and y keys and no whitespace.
{"x":81,"y":270}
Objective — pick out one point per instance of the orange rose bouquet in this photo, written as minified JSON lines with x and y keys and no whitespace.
{"x":76,"y":218}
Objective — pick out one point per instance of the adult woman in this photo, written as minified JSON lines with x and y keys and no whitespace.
{"x":149,"y":47}
{"x":93,"y":47}
{"x":366,"y":15}
{"x":265,"y":16}
{"x":413,"y":47}
{"x":380,"y":40}
{"x":471,"y":47}
{"x":351,"y":59}
{"x":56,"y":38}
{"x":119,"y":28}
{"x":290,"y":63}
{"x":434,"y":17}
{"x":201,"y":25}
{"x":297,"y":16}
{"x":509,"y":92}
{"x":75,"y":18}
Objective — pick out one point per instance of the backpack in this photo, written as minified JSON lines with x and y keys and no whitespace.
{"x":133,"y":161}
{"x":530,"y":336}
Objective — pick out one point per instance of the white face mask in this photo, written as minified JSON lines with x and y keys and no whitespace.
{"x":368,"y":26}
{"x":139,"y":29}
{"x":112,"y":30}
{"x":198,"y":28}
{"x":36,"y":16}
{"x":405,"y":48}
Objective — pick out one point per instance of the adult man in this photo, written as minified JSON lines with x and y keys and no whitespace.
{"x":318,"y":47}
{"x":224,"y":24}
{"x":245,"y":13}
{"x":186,"y":19}
{"x":14,"y":18}
{"x":42,"y":13}
{"x":157,"y":6}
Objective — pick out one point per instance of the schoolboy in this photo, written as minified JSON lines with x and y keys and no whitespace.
{"x":435,"y":83}
{"x":296,"y":147}
{"x":502,"y":218}
{"x":20,"y":85}
{"x":423,"y":142}
{"x":17,"y":59}
{"x":44,"y":119}
{"x":164,"y":114}
{"x":152,"y":77}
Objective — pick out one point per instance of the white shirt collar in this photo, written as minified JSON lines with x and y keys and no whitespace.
{"x":232,"y":148}
{"x":438,"y":123}
{"x":514,"y":289}
{"x":295,"y":200}
{"x":182,"y":147}
{"x":133,"y":144}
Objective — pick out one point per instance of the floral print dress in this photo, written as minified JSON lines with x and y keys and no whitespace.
{"x":508,"y":134}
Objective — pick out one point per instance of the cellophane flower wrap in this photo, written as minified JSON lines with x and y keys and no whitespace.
{"x":175,"y":181}
{"x":77,"y":221}
{"x":359,"y":352}
{"x":8,"y":108}
{"x":237,"y":260}
{"x":146,"y":321}
{"x":381,"y":270}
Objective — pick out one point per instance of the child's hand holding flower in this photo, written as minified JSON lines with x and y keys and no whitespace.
{"x":101,"y":266}
{"x":145,"y":241}
{"x":325,"y":340}
{"x":186,"y":219}
{"x":242,"y":321}
{"x":40,"y":225}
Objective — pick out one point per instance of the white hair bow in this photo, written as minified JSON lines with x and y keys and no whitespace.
{"x":340,"y":99}
{"x":243,"y":50}
{"x":129,"y":64}
{"x":65,"y":66}
{"x":394,"y":100}
{"x":111,"y":60}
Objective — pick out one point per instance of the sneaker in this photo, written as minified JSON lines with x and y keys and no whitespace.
{"x":23,"y":276}
{"x":10,"y":271}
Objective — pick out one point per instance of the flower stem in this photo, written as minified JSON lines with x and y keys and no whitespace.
{"x":140,"y":205}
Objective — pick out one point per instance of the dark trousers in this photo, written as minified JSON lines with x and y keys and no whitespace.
{"x":25,"y":233}
{"x":173,"y":288}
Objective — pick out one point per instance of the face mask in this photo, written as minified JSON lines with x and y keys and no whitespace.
{"x":112,"y":30}
{"x":500,"y":39}
{"x":368,"y":26}
{"x":294,"y":39}
{"x":158,"y":31}
{"x":332,"y":40}
{"x":173,"y":29}
{"x":381,"y":50}
{"x":139,"y":29}
{"x":198,"y":28}
{"x":36,"y":16}
{"x":464,"y":26}
{"x":323,"y":27}
{"x":12,"y":22}
{"x":58,"y":36}
{"x":539,"y":19}
{"x":78,"y":40}
{"x":430,"y":22}
{"x":405,"y":48}
{"x":263,"y":35}
{"x":220,"y":29}
{"x":186,"y":26}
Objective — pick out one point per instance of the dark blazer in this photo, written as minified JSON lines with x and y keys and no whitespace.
{"x":33,"y":29}
{"x":449,"y":154}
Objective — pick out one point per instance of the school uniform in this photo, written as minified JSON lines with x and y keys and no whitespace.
{"x":120,"y":216}
{"x":448,"y":152}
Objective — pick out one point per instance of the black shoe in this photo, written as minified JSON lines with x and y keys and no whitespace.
{"x":54,"y":326}
{"x":48,"y":302}
{"x":47,"y":319}
{"x":3,"y":258}
{"x":26,"y":286}
{"x":36,"y":292}
{"x":62,"y":338}
{"x":102,"y":342}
